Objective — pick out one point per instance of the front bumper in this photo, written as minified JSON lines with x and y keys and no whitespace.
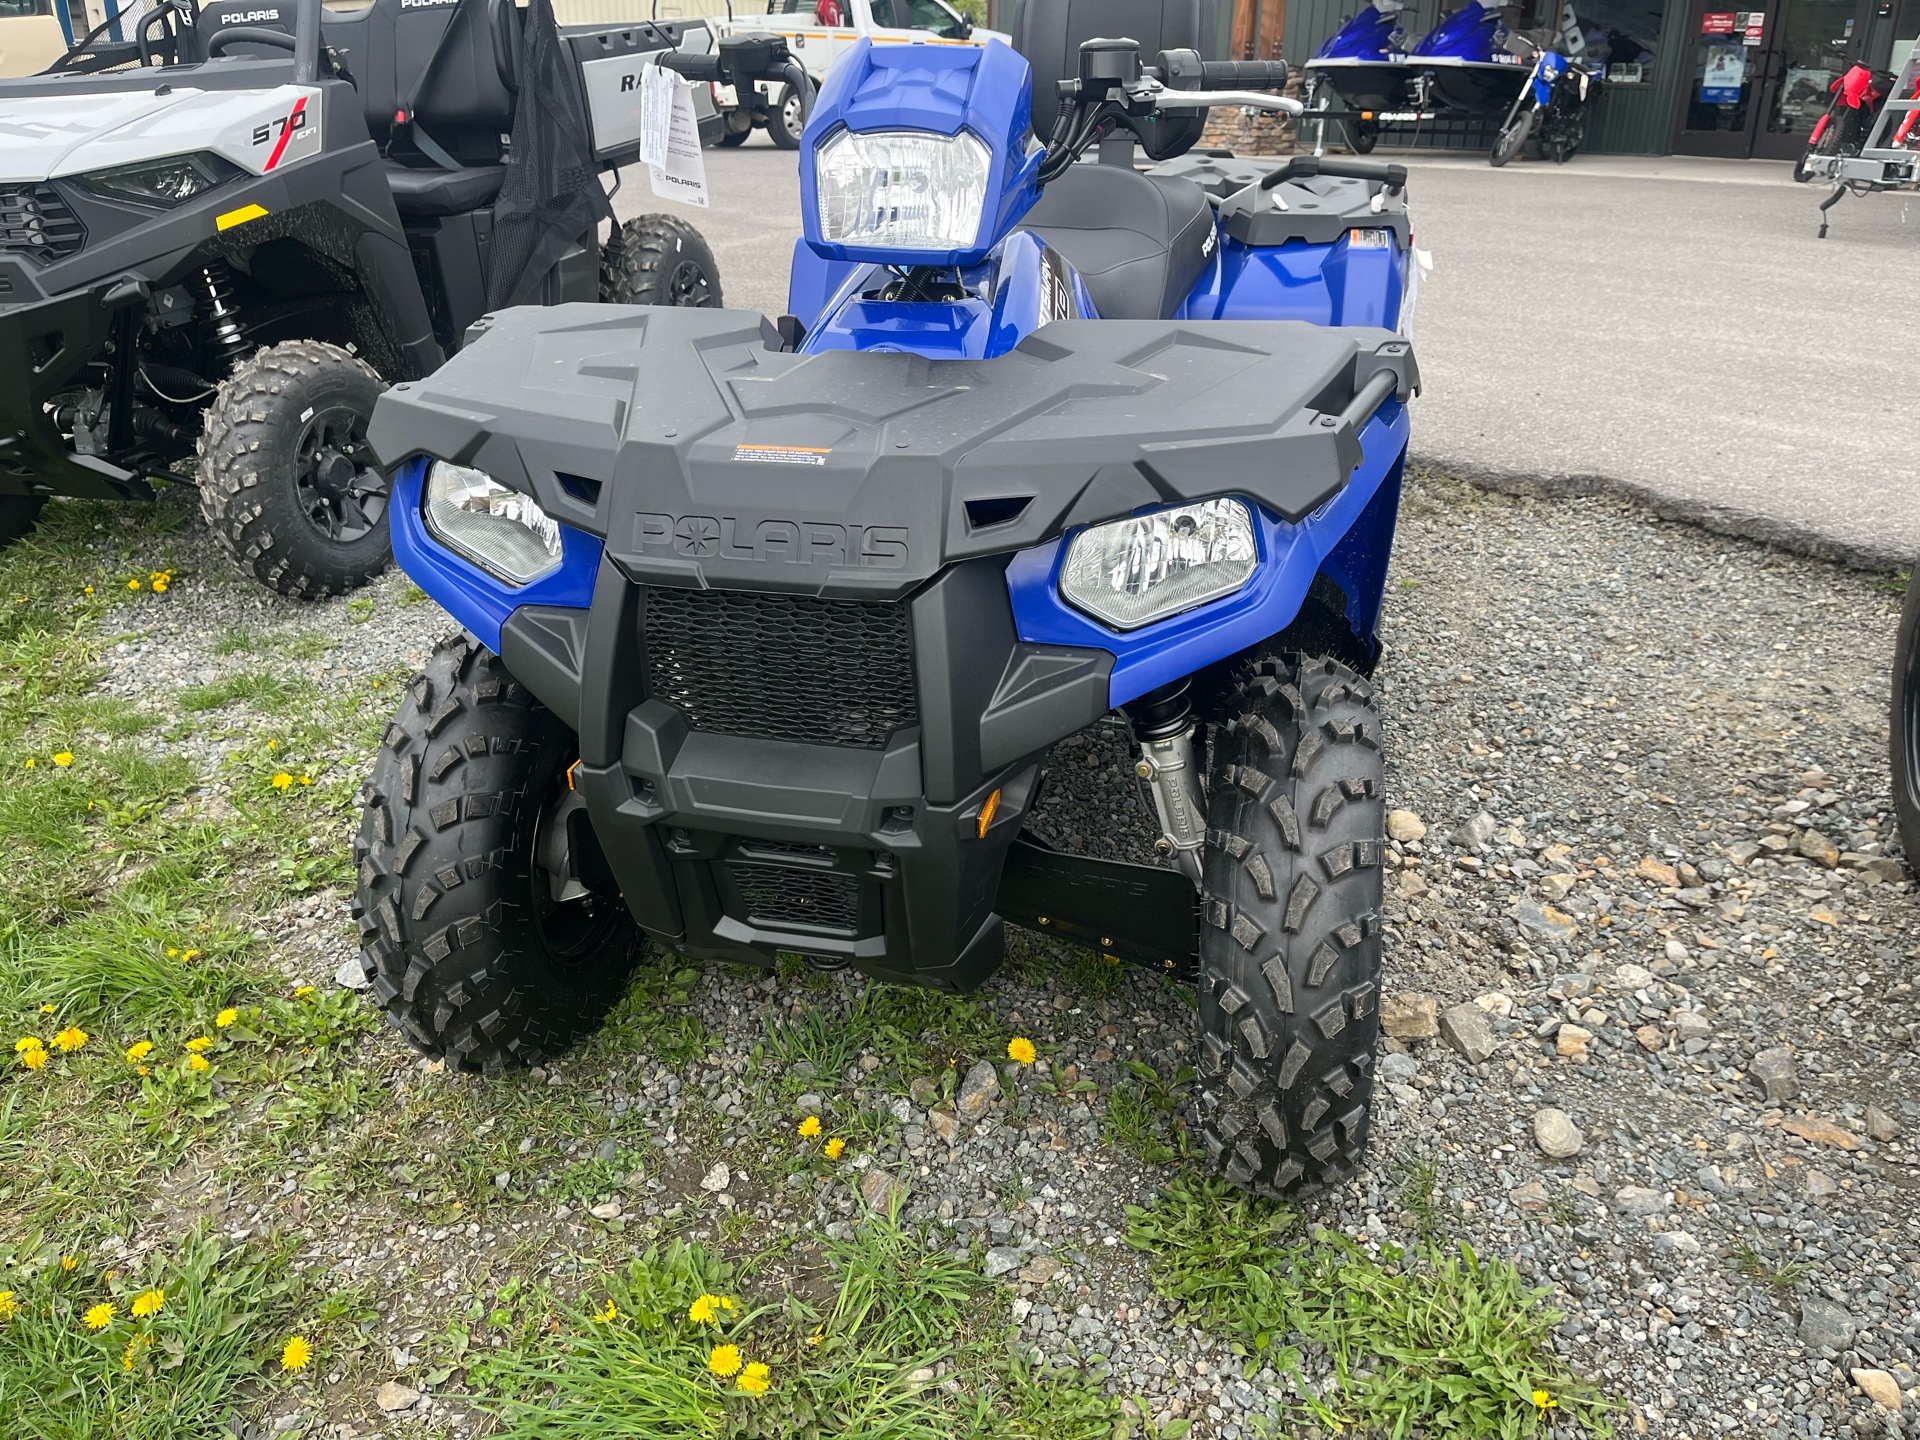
{"x":44,"y":345}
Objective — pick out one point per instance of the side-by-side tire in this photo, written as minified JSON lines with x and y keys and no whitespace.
{"x":788,"y":120}
{"x":490,"y":927}
{"x":659,"y":260}
{"x":1290,"y":927}
{"x":1904,"y":728}
{"x":287,"y":482}
{"x":18,"y":515}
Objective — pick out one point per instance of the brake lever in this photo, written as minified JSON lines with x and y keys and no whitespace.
{"x":1163,"y":98}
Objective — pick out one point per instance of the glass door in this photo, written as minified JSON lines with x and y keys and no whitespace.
{"x":1721,"y":99}
{"x":1818,"y":41}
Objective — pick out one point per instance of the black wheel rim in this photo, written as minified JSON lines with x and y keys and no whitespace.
{"x":689,"y":285}
{"x":342,"y":492}
{"x":572,"y":931}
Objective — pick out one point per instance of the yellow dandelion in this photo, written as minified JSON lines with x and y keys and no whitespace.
{"x":196,"y":1061}
{"x":133,"y":1348}
{"x":701,"y":1311}
{"x":724,"y":1360}
{"x":63,"y":759}
{"x":834,"y":1147}
{"x":1020,"y":1048}
{"x":30,"y":762}
{"x":301,"y":992}
{"x":9,"y":1307}
{"x":100,"y":1316}
{"x":810,"y":1126}
{"x":46,"y":1009}
{"x":306,"y":779}
{"x":141,"y":1070}
{"x":69,"y":1263}
{"x":187,"y":957}
{"x":70,"y":1039}
{"x":172,"y":954}
{"x":296,"y":1354}
{"x":819,"y":1334}
{"x":200,"y":1044}
{"x":133,"y":584}
{"x":607,"y":1313}
{"x":147,"y":1304}
{"x":28,"y":1042}
{"x":282,"y":780}
{"x":139,"y":1051}
{"x":753,"y":1379}
{"x":726,"y":1302}
{"x":35,"y":1059}
{"x":1543,"y":1402}
{"x":226,"y":1017}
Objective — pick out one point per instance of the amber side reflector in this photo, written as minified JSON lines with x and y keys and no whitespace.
{"x":570,"y":769}
{"x":988,"y":811}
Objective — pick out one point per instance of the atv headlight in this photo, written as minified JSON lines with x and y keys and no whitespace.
{"x":167,"y":183}
{"x":1133,"y":572}
{"x":500,"y":530}
{"x":901,"y":189}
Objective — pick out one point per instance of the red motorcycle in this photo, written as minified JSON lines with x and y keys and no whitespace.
{"x":1857,"y":97}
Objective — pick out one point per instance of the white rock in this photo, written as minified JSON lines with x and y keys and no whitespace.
{"x":716,"y":1179}
{"x":393,"y":1397}
{"x":1555,"y":1134}
{"x":608,"y":1211}
{"x":1629,"y":978}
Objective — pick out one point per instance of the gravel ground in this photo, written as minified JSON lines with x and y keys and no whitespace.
{"x":1648,"y":857}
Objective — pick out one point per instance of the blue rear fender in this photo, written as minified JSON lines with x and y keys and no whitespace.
{"x":1338,"y":284}
{"x":1348,"y":539}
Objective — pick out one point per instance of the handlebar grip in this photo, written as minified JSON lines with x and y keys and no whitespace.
{"x":1243,"y":74}
{"x":691,"y":64}
{"x":1393,"y":176}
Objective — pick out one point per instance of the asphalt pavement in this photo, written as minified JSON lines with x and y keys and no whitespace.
{"x":1670,"y":328}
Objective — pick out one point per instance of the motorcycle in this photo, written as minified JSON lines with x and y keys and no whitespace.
{"x":769,"y":629}
{"x":1842,"y":130}
{"x":1552,"y":104}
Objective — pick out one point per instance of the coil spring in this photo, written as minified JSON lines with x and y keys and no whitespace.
{"x":227,"y":338}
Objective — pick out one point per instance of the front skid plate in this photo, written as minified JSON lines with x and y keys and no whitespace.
{"x":1141,"y":913}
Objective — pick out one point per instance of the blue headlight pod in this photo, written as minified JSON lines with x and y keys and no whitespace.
{"x":1129,"y":573}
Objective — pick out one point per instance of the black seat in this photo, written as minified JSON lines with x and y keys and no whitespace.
{"x":1138,"y":241}
{"x":1049,"y":32}
{"x":420,"y":191}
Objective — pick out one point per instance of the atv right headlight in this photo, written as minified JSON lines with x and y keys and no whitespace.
{"x":500,"y":530}
{"x":1132,"y":572}
{"x":169,"y":182}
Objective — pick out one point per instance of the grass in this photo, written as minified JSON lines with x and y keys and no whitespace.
{"x":1434,"y":1341}
{"x":1139,"y":1116}
{"x":1779,"y":1275}
{"x":632,"y":1359}
{"x":222,"y":1321}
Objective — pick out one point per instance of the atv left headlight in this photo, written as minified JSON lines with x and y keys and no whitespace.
{"x":901,"y":189}
{"x":1132,"y":572}
{"x":169,"y":182}
{"x":500,"y":530}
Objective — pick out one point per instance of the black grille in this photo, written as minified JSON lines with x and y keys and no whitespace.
{"x":782,"y":667}
{"x":34,"y":220}
{"x":787,"y":895}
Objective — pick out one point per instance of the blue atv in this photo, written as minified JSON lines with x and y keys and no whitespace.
{"x":768,"y":629}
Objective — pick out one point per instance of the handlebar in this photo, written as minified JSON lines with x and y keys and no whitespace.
{"x":1393,"y":177}
{"x":1243,"y":74}
{"x":248,"y":35}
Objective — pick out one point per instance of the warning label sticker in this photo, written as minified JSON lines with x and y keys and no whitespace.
{"x":782,"y":454}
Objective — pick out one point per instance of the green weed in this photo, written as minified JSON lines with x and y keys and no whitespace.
{"x":1139,"y":1114}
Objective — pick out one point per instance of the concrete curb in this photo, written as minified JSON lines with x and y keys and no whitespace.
{"x":1721,"y":519}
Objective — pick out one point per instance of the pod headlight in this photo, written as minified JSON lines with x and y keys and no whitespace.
{"x":500,"y":530}
{"x":901,"y":189}
{"x":166,"y":183}
{"x":1135,"y":571}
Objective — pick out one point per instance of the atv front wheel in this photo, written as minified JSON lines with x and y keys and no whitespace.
{"x":288,"y":484}
{"x":1290,"y":927}
{"x":490,"y":928}
{"x":788,"y":121}
{"x":18,"y":515}
{"x":1905,"y":727}
{"x":659,"y":260}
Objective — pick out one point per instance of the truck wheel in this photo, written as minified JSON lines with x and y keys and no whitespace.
{"x":1905,"y":727}
{"x":732,"y":138}
{"x":788,"y":120}
{"x":1290,"y":927}
{"x":287,"y":482}
{"x":659,"y":261}
{"x":490,"y":928}
{"x":18,"y":515}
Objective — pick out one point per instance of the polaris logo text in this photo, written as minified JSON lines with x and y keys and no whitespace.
{"x":793,"y":542}
{"x":247,"y":17}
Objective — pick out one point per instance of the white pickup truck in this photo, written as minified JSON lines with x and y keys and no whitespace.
{"x":818,"y":32}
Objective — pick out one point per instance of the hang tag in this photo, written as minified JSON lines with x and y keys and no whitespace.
{"x":682,"y":172}
{"x":656,"y":114}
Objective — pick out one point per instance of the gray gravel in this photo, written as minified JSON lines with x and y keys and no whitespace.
{"x":1650,"y":766}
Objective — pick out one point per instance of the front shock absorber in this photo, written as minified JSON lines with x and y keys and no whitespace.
{"x":226,"y":336}
{"x":1163,"y":728}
